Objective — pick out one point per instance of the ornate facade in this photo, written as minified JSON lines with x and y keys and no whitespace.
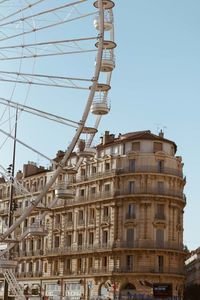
{"x":115,"y":228}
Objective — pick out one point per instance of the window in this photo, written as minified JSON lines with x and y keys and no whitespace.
{"x":93,"y":189}
{"x":80,"y":239}
{"x":160,"y":187}
{"x":105,"y":211}
{"x":131,"y":211}
{"x":56,"y":267}
{"x":124,"y":149}
{"x":160,"y":237}
{"x":104,"y":261}
{"x":32,"y":220}
{"x":31,"y":245}
{"x":90,"y":262}
{"x":79,"y":264}
{"x":23,"y":267}
{"x":45,"y":267}
{"x":39,"y":244}
{"x":24,"y":246}
{"x":91,"y":214}
{"x":57,"y":241}
{"x":57,"y":219}
{"x":130,"y":237}
{"x":107,"y":166}
{"x":160,"y":214}
{"x":105,"y":237}
{"x":131,"y":187}
{"x":107,"y":187}
{"x":157,"y":146}
{"x":161,"y":166}
{"x":136,"y":146}
{"x":82,"y":172}
{"x":132,"y":165}
{"x":37,"y":265}
{"x":30,"y":267}
{"x":94,"y":169}
{"x":91,"y":238}
{"x":69,"y":216}
{"x":129,"y":262}
{"x":82,"y":192}
{"x":115,"y":150}
{"x":67,"y":264}
{"x":80,"y":215}
{"x":68,"y":240}
{"x":160,"y":263}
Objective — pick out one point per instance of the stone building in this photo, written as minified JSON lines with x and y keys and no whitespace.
{"x":110,"y":230}
{"x":192,"y":266}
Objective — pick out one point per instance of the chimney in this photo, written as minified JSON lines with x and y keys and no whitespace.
{"x":108,"y":138}
{"x":31,"y":169}
{"x":161,"y":134}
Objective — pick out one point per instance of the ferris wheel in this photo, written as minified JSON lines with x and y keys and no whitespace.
{"x":55,"y":75}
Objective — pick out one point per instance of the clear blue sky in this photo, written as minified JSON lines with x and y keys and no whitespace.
{"x":155,"y":86}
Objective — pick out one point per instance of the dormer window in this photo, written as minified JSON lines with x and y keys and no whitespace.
{"x":157,"y":146}
{"x":136,"y":146}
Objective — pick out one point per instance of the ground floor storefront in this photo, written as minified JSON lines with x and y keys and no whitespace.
{"x":93,"y":289}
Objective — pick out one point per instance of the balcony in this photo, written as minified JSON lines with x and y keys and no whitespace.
{"x":160,"y":217}
{"x":151,"y":191}
{"x":102,"y":270}
{"x":35,"y":230}
{"x":98,"y":175}
{"x":151,"y":169}
{"x":148,"y":245}
{"x":7,"y":264}
{"x":38,"y":252}
{"x":130,"y":216}
{"x":4,"y":211}
{"x":126,"y":192}
{"x":149,"y":269}
{"x":81,"y":222}
{"x":75,"y":248}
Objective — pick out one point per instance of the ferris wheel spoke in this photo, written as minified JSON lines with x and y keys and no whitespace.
{"x":21,"y":10}
{"x":9,"y":135}
{"x":47,"y":26}
{"x":50,"y":83}
{"x":51,"y":48}
{"x":46,"y":76}
{"x":45,"y":12}
{"x":47,"y":54}
{"x":47,"y":43}
{"x":40,"y":113}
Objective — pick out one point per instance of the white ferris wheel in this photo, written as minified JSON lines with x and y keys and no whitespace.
{"x":56,"y":63}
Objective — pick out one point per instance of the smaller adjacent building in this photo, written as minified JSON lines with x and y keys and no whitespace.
{"x":192,"y":265}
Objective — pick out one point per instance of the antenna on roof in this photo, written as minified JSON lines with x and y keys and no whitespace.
{"x":160,"y":127}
